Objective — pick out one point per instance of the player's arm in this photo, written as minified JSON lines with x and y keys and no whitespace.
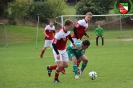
{"x":102,"y":31}
{"x":45,"y":33}
{"x":70,"y":38}
{"x":75,"y":32}
{"x":96,"y":31}
{"x":54,"y":46}
{"x":87,"y":35}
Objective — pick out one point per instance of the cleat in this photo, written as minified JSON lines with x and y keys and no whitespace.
{"x":49,"y":71}
{"x":76,"y":77}
{"x":56,"y":80}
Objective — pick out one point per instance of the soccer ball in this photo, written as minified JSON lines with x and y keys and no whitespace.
{"x":92,"y":75}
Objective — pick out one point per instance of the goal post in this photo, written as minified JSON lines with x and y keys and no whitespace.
{"x":108,"y":21}
{"x":5,"y":34}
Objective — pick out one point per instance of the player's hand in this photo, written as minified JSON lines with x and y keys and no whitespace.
{"x":47,"y":36}
{"x":58,"y":56}
{"x":88,"y":36}
{"x":73,"y":44}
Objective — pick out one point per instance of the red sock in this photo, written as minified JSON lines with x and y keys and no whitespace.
{"x":42,"y":53}
{"x":56,"y":74}
{"x":78,"y":62}
{"x":53,"y":67}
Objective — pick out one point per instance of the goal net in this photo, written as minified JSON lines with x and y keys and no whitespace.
{"x":117,"y":24}
{"x":3,"y":36}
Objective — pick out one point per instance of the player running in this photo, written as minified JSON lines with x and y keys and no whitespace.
{"x":75,"y":53}
{"x":49,"y":35}
{"x":80,"y":29}
{"x":59,"y":49}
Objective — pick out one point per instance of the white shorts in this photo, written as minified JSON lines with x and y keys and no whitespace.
{"x":63,"y":55}
{"x":74,"y":39}
{"x":48,"y":43}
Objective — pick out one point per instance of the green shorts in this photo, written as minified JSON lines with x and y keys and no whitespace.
{"x":71,"y":54}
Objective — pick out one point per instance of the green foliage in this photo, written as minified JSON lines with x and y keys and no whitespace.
{"x":47,"y":10}
{"x":18,"y":9}
{"x":95,"y":6}
{"x":3,"y":5}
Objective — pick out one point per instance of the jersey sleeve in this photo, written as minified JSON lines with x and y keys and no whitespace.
{"x":46,"y":27}
{"x":81,"y":22}
{"x":58,"y":36}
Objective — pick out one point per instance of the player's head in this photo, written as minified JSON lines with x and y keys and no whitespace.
{"x":88,"y":16}
{"x":68,"y":25}
{"x":98,"y":25}
{"x":86,"y":43}
{"x":51,"y":22}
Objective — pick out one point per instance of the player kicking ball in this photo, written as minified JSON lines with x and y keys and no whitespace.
{"x":75,"y":53}
{"x":59,"y":49}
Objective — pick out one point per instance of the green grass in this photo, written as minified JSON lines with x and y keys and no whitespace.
{"x":21,"y":67}
{"x":70,"y":10}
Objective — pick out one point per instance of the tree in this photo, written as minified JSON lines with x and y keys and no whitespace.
{"x":47,"y":10}
{"x":18,"y":9}
{"x":97,"y":7}
{"x":3,"y":5}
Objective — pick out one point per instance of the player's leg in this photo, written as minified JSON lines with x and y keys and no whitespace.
{"x":75,"y":67}
{"x":72,"y":57}
{"x":59,"y":66}
{"x":102,"y":40}
{"x":84,"y":64}
{"x":97,"y":40}
{"x":57,"y":71}
{"x":47,"y":43}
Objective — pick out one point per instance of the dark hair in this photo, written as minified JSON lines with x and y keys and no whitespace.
{"x":68,"y":22}
{"x":86,"y":42}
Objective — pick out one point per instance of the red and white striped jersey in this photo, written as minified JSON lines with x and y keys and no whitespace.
{"x":61,"y":38}
{"x":50,"y":32}
{"x":82,"y":27}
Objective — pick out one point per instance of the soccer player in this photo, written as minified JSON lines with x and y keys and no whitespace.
{"x":75,"y":53}
{"x":80,"y":29}
{"x":59,"y":49}
{"x":99,"y":33}
{"x":49,"y":35}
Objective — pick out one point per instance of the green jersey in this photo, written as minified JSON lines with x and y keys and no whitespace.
{"x":99,"y":31}
{"x":75,"y":50}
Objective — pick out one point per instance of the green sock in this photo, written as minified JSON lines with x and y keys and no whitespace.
{"x":83,"y":66}
{"x":75,"y":69}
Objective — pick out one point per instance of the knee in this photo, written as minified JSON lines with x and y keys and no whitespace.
{"x":65,"y":65}
{"x":86,"y":61}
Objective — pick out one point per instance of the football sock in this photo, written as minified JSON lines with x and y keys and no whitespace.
{"x":78,"y":63}
{"x":42,"y":52}
{"x":56,"y":74}
{"x":83,"y":66}
{"x":75,"y":69}
{"x":53,"y":67}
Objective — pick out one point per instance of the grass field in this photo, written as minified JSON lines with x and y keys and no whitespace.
{"x":21,"y":67}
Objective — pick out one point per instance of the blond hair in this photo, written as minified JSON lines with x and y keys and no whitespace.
{"x":89,"y":13}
